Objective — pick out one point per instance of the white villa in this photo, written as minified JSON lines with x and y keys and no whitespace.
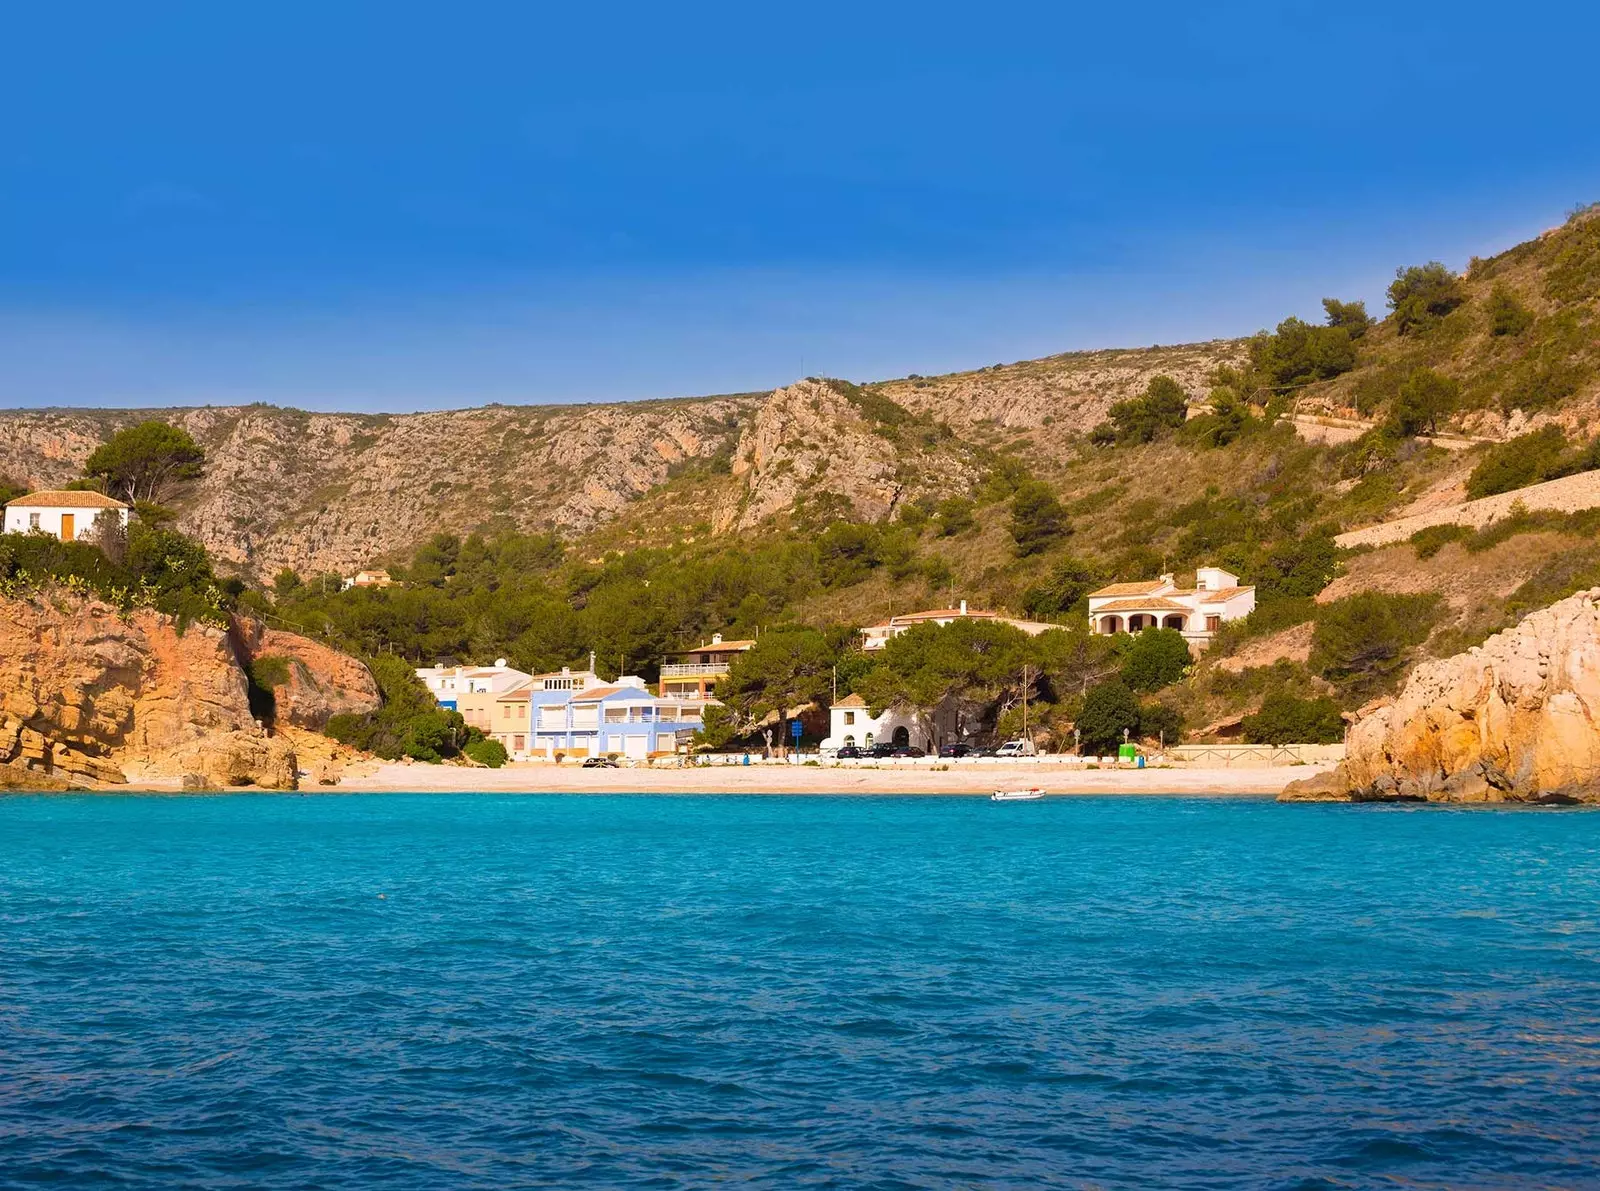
{"x":876,"y":636}
{"x":1196,"y":612}
{"x":61,"y":514}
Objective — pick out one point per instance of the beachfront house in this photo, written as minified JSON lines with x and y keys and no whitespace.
{"x":1197,"y":612}
{"x":692,"y":673}
{"x":851,"y":722}
{"x":876,"y":636}
{"x":624,"y":719}
{"x":61,"y":514}
{"x":463,"y":688}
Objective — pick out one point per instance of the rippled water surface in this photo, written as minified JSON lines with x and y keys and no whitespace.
{"x":415,"y":991}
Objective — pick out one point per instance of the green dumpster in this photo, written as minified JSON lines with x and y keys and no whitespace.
{"x":1128,"y":753}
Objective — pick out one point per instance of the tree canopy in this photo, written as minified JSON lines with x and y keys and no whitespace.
{"x":1038,"y":520}
{"x":1425,"y":398}
{"x":139,"y":463}
{"x":1420,"y":295}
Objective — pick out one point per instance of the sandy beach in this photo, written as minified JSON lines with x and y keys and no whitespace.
{"x":794,"y":779}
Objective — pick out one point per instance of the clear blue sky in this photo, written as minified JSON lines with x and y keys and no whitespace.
{"x":392,"y":206}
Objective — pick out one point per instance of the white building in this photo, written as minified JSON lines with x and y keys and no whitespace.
{"x":850,"y":721}
{"x":448,"y":684}
{"x":61,"y":514}
{"x":1197,"y":612}
{"x":876,"y":636}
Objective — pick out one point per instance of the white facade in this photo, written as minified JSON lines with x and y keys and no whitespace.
{"x":448,"y":683}
{"x":1197,"y":612}
{"x":69,"y":516}
{"x":850,"y":721}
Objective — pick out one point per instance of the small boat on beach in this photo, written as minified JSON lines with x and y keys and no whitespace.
{"x":1028,"y":795}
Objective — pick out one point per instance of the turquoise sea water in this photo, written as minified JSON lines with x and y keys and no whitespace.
{"x":409,"y":991}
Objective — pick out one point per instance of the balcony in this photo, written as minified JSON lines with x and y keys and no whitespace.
{"x":695,"y":670}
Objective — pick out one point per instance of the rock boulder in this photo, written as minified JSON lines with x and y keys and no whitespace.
{"x":1516,"y":719}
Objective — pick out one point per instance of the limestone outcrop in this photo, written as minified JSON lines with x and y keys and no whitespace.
{"x":812,"y":442}
{"x":318,"y":681}
{"x":90,"y":694}
{"x":1516,"y":719}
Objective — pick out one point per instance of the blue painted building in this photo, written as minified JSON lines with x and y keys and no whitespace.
{"x":624,"y":719}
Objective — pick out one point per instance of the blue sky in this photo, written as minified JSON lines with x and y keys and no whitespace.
{"x":397,"y":206}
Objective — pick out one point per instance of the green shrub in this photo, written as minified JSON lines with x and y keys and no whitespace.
{"x":1351,"y":317}
{"x":1288,"y":719}
{"x":1162,"y":722}
{"x":1037,"y":519}
{"x":1069,"y":582}
{"x":1298,"y":352}
{"x":1434,"y":538}
{"x":1162,"y":406}
{"x":1361,"y":642}
{"x":1426,"y":397}
{"x":1507,"y":315}
{"x":1109,"y":709}
{"x":410,"y":723}
{"x":955,"y":516}
{"x":1528,"y":459}
{"x":1421,"y":295}
{"x":486,"y":750}
{"x":1155,"y":658}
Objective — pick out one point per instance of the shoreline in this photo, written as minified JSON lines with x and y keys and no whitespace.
{"x":395,"y":778}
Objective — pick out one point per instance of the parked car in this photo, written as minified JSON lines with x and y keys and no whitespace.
{"x":909,"y":750}
{"x":848,"y":752}
{"x":956,"y":750}
{"x":881,"y":750}
{"x":1016,"y":748}
{"x":599,"y":763}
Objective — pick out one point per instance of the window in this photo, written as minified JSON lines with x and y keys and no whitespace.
{"x":33,"y":520}
{"x":519,"y":743}
{"x":1213,"y":623}
{"x":849,"y":717}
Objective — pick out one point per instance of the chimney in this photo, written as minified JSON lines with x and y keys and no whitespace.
{"x":499,"y":663}
{"x":1169,"y":579}
{"x":716,"y":638}
{"x":963,"y":607}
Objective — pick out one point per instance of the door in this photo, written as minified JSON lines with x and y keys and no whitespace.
{"x":638,"y":747}
{"x":69,"y":525}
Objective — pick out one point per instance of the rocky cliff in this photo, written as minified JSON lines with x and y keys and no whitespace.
{"x":91,"y":694}
{"x":1514,"y":720}
{"x":818,"y":439}
{"x":335,"y":492}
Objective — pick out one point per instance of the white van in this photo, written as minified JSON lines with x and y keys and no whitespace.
{"x":1016,"y":748}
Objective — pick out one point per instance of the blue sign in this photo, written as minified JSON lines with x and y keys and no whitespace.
{"x":795,"y":729}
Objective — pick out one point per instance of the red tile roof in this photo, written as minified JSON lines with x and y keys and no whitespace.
{"x":1127,"y":589}
{"x":61,"y":499}
{"x":1148,"y":604}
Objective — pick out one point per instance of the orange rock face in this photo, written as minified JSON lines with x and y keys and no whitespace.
{"x":91,"y":694}
{"x":322,"y":682}
{"x":1515,"y":719}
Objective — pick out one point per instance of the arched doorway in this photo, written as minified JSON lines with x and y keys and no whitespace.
{"x":901,"y":738}
{"x":1175,"y":621}
{"x":1110,"y":624}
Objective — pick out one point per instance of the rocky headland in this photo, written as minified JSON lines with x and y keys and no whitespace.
{"x":91,"y":695}
{"x":1516,"y":719}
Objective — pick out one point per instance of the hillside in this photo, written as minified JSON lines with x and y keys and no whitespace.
{"x":1018,"y":487}
{"x":333,"y":492}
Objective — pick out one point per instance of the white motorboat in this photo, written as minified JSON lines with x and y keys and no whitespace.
{"x":1028,"y":795}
